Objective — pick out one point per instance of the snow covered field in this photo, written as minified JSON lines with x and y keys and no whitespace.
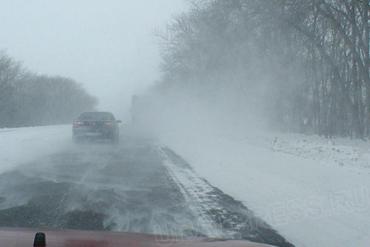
{"x":315,"y":192}
{"x":22,"y":145}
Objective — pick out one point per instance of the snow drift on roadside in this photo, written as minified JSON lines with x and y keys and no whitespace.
{"x":21,"y":145}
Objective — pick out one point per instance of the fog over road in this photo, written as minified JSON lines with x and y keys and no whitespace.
{"x":136,"y":186}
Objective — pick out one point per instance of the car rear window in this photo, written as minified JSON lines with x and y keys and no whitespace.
{"x":96,"y":116}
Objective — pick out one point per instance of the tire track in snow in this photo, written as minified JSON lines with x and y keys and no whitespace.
{"x":192,"y":187}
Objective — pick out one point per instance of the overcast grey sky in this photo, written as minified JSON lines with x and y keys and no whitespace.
{"x":107,"y":45}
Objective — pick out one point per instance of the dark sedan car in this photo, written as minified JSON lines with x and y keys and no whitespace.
{"x":96,"y":125}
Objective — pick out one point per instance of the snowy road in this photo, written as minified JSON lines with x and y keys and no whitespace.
{"x":136,"y":186}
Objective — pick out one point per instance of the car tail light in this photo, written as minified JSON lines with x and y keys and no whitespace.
{"x":108,"y":123}
{"x":77,"y":124}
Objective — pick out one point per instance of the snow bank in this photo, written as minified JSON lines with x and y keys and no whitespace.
{"x":337,"y":151}
{"x":22,"y":145}
{"x":315,"y":192}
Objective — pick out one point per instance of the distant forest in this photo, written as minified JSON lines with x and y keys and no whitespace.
{"x":304,"y":64}
{"x":29,"y":99}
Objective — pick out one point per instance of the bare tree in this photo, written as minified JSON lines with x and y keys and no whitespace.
{"x":313,"y":56}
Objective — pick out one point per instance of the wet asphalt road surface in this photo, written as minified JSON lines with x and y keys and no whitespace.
{"x":124,"y":187}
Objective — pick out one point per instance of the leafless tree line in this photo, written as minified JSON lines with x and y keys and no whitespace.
{"x":313,"y":56}
{"x":28,"y":99}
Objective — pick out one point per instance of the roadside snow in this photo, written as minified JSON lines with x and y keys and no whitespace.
{"x":22,"y":145}
{"x":338,"y":151}
{"x":315,"y":192}
{"x":195,"y":190}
